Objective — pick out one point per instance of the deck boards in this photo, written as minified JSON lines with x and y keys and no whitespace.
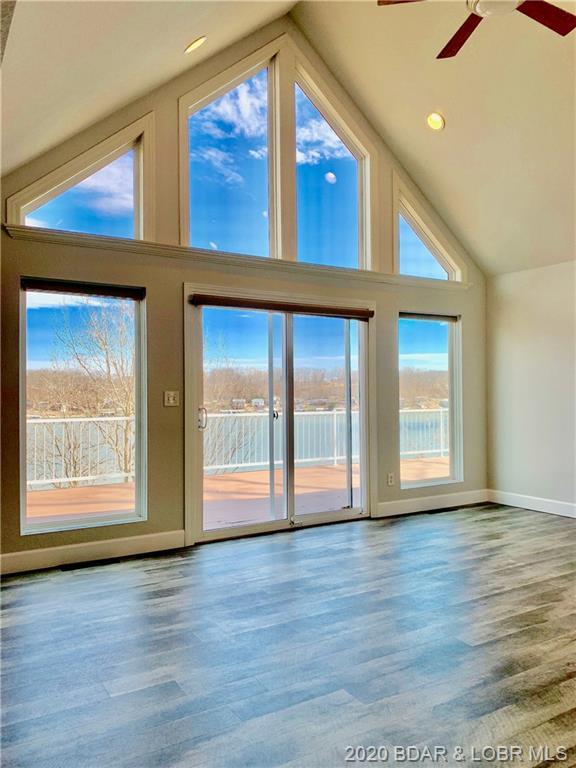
{"x":227,"y":496}
{"x":456,"y":628}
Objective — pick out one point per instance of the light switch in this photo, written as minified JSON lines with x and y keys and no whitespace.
{"x":171,"y":399}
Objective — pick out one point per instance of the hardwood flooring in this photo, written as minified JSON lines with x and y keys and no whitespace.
{"x":449,"y":629}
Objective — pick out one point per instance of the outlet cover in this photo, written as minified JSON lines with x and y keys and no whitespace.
{"x":171,"y":399}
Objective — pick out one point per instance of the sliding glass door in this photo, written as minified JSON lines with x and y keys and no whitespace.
{"x":242,"y":418}
{"x":280,"y":417}
{"x":326,"y":427}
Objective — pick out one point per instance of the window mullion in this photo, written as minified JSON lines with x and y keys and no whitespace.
{"x":283,"y":160}
{"x":138,"y":196}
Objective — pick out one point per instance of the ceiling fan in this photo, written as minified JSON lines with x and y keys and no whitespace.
{"x":556,"y":19}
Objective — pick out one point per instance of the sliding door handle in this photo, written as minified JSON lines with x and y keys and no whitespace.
{"x":202,"y":418}
{"x":275,"y":415}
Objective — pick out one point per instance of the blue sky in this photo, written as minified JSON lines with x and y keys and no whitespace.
{"x":102,"y":204}
{"x":47,"y":314}
{"x":240,"y":338}
{"x":415,"y":258}
{"x":326,"y":191}
{"x":228,"y":145}
{"x":423,"y":344}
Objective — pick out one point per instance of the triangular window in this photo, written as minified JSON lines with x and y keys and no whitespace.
{"x":415,"y":257}
{"x":327,"y":190}
{"x":100,"y":204}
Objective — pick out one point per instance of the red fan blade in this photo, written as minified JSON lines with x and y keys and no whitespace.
{"x":556,"y":19}
{"x":456,"y":42}
{"x":397,"y":2}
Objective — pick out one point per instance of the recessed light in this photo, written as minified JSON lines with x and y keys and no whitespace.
{"x":436,"y":121}
{"x":195,"y":44}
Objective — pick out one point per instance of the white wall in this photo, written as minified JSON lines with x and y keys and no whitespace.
{"x":532,"y":387}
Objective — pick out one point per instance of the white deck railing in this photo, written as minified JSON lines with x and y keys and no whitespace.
{"x":76,"y":451}
{"x":79,"y":450}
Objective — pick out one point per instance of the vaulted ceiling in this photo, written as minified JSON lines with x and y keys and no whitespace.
{"x":69,"y":63}
{"x":501,"y":174}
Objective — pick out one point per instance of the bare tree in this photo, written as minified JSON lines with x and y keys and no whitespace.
{"x":92,"y":375}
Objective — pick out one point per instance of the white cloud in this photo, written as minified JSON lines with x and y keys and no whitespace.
{"x":258,"y":154}
{"x":213,"y":245}
{"x":111,"y":189}
{"x":32,"y":221}
{"x":317,"y":141}
{"x":330,"y":177}
{"x":214,"y":130}
{"x":243,"y":110}
{"x":49,"y":300}
{"x":222,"y":162}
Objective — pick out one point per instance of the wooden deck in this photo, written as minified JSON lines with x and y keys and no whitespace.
{"x":234,"y":498}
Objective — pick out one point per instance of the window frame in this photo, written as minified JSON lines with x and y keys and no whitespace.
{"x":407,"y":202}
{"x":286,"y":66}
{"x":140,"y":513}
{"x":195,"y":100}
{"x":455,"y":410}
{"x":322,"y":103}
{"x":139,"y":137}
{"x":193,"y":467}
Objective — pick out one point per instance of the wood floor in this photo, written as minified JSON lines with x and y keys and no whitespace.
{"x":450,"y":629}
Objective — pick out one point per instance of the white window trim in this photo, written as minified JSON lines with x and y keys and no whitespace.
{"x":198,"y":98}
{"x":79,"y":522}
{"x":408,"y":203}
{"x":456,"y":419}
{"x":287,"y":65}
{"x":138,"y":136}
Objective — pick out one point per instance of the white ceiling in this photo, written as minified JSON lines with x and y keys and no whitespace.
{"x":502,"y":173}
{"x":68,"y":64}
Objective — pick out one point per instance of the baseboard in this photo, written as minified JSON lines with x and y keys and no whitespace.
{"x":553,"y":507}
{"x":428,"y":503}
{"x":49,"y":557}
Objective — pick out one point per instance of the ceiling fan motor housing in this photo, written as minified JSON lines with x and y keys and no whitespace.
{"x":492,"y":7}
